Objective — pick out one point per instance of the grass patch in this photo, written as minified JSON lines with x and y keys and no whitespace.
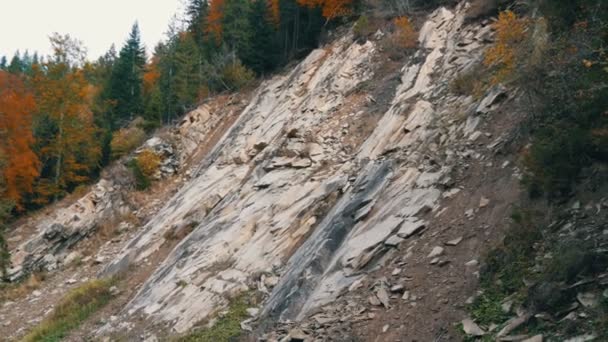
{"x":11,"y":292}
{"x":74,"y":308}
{"x":227,"y":327}
{"x":487,"y":308}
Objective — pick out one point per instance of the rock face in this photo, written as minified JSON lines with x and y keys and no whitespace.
{"x":292,"y":200}
{"x":279,"y":197}
{"x":49,"y":247}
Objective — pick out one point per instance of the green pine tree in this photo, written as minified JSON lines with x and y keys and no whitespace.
{"x":126,"y":81}
{"x":262,"y":56}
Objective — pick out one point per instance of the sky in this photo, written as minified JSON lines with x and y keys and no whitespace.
{"x":27,"y":24}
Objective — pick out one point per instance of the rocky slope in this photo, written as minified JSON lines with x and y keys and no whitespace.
{"x":329,"y":172}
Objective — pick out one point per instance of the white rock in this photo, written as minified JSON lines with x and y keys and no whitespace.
{"x":588,"y":299}
{"x":472,"y":329}
{"x":437,"y":251}
{"x":454,"y":242}
{"x":472,"y":263}
{"x":536,"y":338}
{"x":483,"y":202}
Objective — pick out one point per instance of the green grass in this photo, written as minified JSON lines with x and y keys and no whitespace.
{"x":78,"y":305}
{"x":228,"y":326}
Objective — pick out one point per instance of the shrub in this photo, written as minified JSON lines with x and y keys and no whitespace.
{"x":236,"y":75}
{"x":148,"y":162}
{"x":511,"y":32}
{"x":405,"y":35}
{"x":126,"y":140}
{"x":141,"y":181}
{"x":362,"y":28}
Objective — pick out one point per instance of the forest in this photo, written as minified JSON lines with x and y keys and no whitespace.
{"x":64,"y":117}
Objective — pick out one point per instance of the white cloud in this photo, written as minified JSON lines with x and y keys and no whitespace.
{"x":26,"y":24}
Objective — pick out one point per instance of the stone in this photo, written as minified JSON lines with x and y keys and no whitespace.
{"x":393,"y":241}
{"x":397,"y":288}
{"x":410,"y":227}
{"x":588,"y":299}
{"x":373,"y":300}
{"x":253,"y":312}
{"x":271,"y":281}
{"x":471,"y":328}
{"x":437,"y":251}
{"x":469,"y":213}
{"x":513,"y":324}
{"x":483,"y":202}
{"x":385,"y":328}
{"x":454,"y":242}
{"x":114,"y":291}
{"x":72,"y":257}
{"x":297,"y":335}
{"x":36,"y":293}
{"x":472,"y":263}
{"x":406,"y":295}
{"x":383,"y":297}
{"x":473,"y":137}
{"x":506,"y":306}
{"x":396,"y":272}
{"x":71,"y":281}
{"x":582,"y":338}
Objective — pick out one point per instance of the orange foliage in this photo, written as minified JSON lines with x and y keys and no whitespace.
{"x":214,"y":20}
{"x":16,"y":139}
{"x":151,"y":76}
{"x":511,"y":31}
{"x":275,"y":12}
{"x":331,"y":9}
{"x":406,"y":35}
{"x":66,"y":97}
{"x":148,"y":162}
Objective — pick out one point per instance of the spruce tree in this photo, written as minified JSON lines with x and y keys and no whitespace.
{"x":263,"y":55}
{"x":16,"y":65}
{"x":236,"y":27}
{"x":126,"y":80}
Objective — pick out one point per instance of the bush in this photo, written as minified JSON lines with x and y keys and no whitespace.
{"x":126,"y":140}
{"x":141,"y":181}
{"x":148,"y":162}
{"x":362,"y":28}
{"x":405,"y":35}
{"x":236,"y":75}
{"x":503,"y":56}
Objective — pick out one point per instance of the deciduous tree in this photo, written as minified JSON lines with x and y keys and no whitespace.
{"x":21,"y":165}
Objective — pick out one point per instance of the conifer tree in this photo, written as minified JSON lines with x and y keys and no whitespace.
{"x":126,"y":81}
{"x":16,"y":66}
{"x":262,"y":56}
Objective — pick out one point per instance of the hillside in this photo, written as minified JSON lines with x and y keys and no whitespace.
{"x":361,"y":194}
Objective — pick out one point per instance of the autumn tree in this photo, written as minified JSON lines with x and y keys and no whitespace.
{"x":214,"y":27}
{"x":511,"y":31}
{"x":331,"y":9}
{"x":64,"y":99}
{"x":405,"y":33}
{"x":20,"y":163}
